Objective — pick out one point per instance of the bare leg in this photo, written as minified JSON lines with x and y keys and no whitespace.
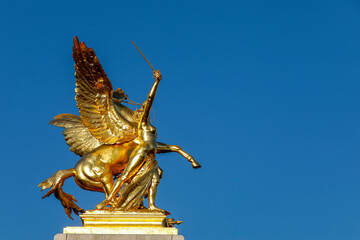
{"x":136,"y":159}
{"x":152,"y":191}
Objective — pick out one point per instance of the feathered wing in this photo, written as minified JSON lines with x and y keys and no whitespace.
{"x":94,"y":99}
{"x":77,"y":136}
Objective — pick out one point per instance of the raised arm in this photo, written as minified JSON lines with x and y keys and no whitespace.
{"x":164,"y":148}
{"x":150,"y":98}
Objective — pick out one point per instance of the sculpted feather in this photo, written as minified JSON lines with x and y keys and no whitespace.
{"x":94,"y":99}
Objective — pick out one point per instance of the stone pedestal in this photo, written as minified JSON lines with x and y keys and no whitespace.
{"x":122,"y":225}
{"x":123,"y":222}
{"x":62,"y":236}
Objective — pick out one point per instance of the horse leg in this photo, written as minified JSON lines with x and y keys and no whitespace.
{"x":94,"y":176}
{"x":136,"y":159}
{"x":165,"y":148}
{"x":108,"y":181}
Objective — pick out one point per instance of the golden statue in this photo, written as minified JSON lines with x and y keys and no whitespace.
{"x":117,"y":145}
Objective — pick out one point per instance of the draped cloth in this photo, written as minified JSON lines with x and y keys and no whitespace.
{"x":134,"y":192}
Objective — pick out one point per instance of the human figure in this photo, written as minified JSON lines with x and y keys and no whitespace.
{"x":147,"y":147}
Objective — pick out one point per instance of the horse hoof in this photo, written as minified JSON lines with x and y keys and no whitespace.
{"x":101,"y":206}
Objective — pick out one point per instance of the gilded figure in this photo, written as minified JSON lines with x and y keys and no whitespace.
{"x":117,"y":145}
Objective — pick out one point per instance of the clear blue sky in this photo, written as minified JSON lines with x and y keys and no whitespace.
{"x":265,"y":95}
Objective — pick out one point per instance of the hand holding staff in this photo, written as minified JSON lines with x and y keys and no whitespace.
{"x":157,"y":74}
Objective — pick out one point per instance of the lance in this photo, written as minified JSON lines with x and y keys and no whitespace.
{"x":144,"y":56}
{"x":149,"y":64}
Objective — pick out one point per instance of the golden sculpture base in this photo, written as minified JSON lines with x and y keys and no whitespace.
{"x":121,"y":222}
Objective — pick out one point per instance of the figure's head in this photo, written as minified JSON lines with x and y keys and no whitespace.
{"x":138,"y":114}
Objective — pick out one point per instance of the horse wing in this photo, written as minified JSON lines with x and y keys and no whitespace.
{"x":94,"y":99}
{"x":77,"y":136}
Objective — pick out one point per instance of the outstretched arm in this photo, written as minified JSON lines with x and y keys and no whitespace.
{"x":150,"y":98}
{"x":164,"y":148}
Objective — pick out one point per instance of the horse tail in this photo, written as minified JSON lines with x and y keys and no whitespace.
{"x":55,"y":182}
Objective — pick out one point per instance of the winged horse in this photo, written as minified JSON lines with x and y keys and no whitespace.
{"x":108,"y":137}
